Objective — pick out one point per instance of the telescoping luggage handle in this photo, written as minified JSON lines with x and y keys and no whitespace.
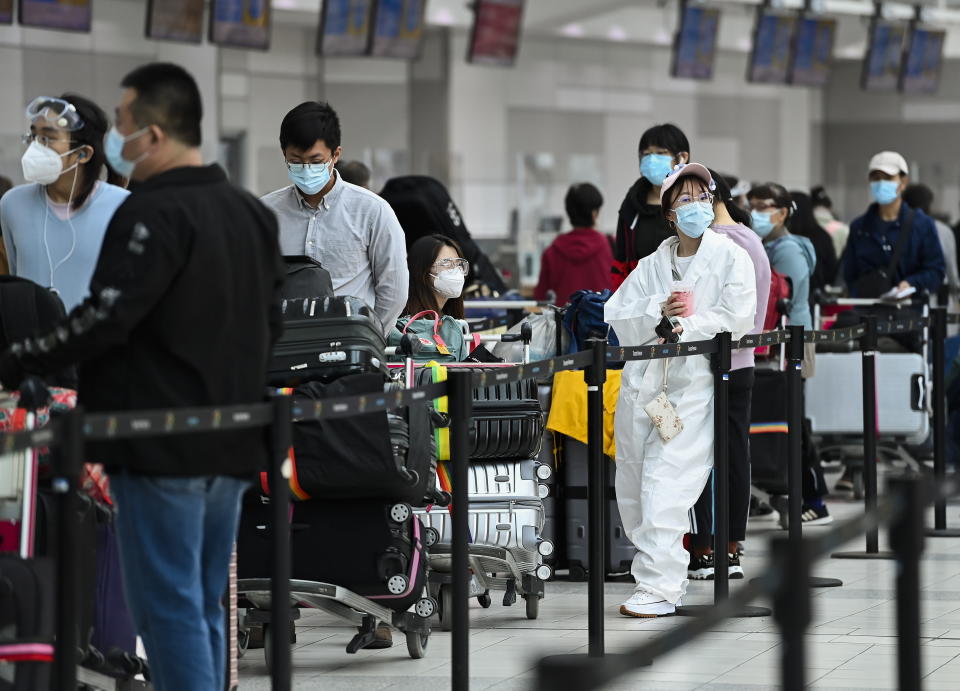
{"x":441,"y":344}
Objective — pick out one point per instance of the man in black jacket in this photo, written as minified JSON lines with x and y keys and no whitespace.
{"x":183,"y":310}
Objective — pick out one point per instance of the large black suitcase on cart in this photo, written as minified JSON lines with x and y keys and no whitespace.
{"x":507,"y":420}
{"x":390,"y":456}
{"x":374,"y":548}
{"x":324,"y":339}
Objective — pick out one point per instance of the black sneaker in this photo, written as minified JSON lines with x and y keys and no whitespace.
{"x":700,"y":568}
{"x":734,"y":570}
{"x":762,"y":511}
{"x":816,"y":515}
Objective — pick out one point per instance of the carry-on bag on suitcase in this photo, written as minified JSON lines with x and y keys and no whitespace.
{"x":377,"y":455}
{"x":371,"y":547}
{"x":306,"y":278}
{"x":324,"y":339}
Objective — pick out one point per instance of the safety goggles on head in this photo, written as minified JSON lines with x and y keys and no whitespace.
{"x":57,"y":111}
{"x":447,"y":264}
{"x":685,"y":199}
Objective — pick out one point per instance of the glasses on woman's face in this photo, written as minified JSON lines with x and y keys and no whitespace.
{"x":685,"y":199}
{"x":42,"y":139}
{"x":447,"y":264}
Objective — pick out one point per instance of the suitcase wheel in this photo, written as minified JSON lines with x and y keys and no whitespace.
{"x":417,"y":644}
{"x":400,"y":513}
{"x":426,"y":607}
{"x":397,"y":585}
{"x":485,"y":600}
{"x":431,"y":536}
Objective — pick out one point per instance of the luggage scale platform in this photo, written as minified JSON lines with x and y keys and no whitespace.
{"x":345,"y":604}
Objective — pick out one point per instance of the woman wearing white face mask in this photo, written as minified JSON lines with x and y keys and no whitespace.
{"x":706,"y":283}
{"x":54,"y":225}
{"x":437,"y":276}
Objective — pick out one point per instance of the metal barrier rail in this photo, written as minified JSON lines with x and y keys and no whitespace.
{"x":70,"y":431}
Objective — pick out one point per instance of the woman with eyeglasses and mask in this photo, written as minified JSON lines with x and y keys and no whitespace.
{"x":438,"y":273}
{"x":698,"y":284}
{"x":53,"y":226}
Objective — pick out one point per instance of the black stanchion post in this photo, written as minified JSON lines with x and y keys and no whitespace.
{"x":69,"y":461}
{"x":938,"y":336}
{"x":461,"y":406}
{"x":795,"y":415}
{"x":868,"y":344}
{"x":721,"y":486}
{"x":906,"y":538}
{"x":280,"y":470}
{"x":791,"y":609}
{"x":595,"y":376}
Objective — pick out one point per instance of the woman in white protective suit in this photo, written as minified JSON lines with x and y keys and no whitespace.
{"x":705,"y":283}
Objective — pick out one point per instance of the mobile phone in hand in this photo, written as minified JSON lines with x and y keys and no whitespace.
{"x":665,"y":330}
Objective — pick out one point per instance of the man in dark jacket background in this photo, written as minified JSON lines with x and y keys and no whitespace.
{"x":580,"y":259}
{"x":641,"y":227}
{"x":183,"y":310}
{"x":874,"y":235}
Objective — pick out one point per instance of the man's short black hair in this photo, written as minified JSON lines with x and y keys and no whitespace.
{"x":354,"y":172}
{"x":581,"y":201}
{"x":309,"y":123}
{"x":167,"y":96}
{"x":919,"y":196}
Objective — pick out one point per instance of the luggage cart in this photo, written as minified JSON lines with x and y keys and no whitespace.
{"x":254,"y":595}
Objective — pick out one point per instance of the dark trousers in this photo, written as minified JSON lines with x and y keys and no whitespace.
{"x":738,"y":421}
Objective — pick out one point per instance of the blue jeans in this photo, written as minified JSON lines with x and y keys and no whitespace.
{"x":176,"y":536}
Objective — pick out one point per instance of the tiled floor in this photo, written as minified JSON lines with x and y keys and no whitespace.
{"x":850,"y":645}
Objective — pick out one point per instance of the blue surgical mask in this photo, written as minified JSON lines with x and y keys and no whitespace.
{"x":693,"y":219}
{"x":656,"y":167}
{"x":309,"y":177}
{"x":762,"y":225}
{"x":885,"y":191}
{"x":113,"y":148}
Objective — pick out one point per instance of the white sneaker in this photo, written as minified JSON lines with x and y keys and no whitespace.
{"x":644,"y":604}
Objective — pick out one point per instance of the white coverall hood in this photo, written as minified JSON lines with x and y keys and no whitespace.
{"x":658,"y":483}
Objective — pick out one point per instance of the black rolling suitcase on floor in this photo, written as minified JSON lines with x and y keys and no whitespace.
{"x":372,"y":547}
{"x":378,"y":455}
{"x":768,"y":431}
{"x":324,"y":339}
{"x":423,"y":206}
{"x":507,"y":420}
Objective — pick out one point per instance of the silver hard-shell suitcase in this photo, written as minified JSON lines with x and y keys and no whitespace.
{"x":508,"y":481}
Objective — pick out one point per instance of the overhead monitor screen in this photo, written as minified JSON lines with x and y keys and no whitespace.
{"x":345,"y":27}
{"x":6,"y":11}
{"x":812,"y":51}
{"x":770,"y":57}
{"x":924,"y":57}
{"x":881,"y":67}
{"x":695,"y":45}
{"x":175,"y":20}
{"x":72,"y":15}
{"x":495,"y":39}
{"x":398,"y":28}
{"x":240,"y":23}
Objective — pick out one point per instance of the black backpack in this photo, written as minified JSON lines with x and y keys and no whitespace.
{"x":306,"y":278}
{"x":424,"y":207}
{"x":28,"y":309}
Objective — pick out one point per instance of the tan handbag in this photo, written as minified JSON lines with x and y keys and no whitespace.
{"x":662,"y":413}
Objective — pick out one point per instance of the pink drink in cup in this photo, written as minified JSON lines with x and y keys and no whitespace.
{"x":683,"y":291}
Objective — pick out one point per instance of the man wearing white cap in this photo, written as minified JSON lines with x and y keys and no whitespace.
{"x":892,"y":247}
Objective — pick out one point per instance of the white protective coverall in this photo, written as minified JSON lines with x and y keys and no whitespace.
{"x":657,"y":483}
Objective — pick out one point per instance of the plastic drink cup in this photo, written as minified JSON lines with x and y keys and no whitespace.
{"x":684,"y":292}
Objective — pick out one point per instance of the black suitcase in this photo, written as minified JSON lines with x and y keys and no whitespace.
{"x":390,"y":456}
{"x":27,"y":596}
{"x":507,"y":422}
{"x":768,"y":431}
{"x":423,"y":207}
{"x":374,"y":548}
{"x":324,"y":339}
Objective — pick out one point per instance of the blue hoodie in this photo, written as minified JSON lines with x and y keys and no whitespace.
{"x":794,"y":256}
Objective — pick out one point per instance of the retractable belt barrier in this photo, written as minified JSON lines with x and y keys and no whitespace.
{"x":70,"y":430}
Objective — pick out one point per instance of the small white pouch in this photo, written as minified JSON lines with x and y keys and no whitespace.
{"x":662,"y":413}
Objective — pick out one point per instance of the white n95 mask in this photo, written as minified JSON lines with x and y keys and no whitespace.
{"x":43,"y":165}
{"x":449,"y":283}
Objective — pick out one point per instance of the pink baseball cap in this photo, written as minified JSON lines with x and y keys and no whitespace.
{"x":683,"y":170}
